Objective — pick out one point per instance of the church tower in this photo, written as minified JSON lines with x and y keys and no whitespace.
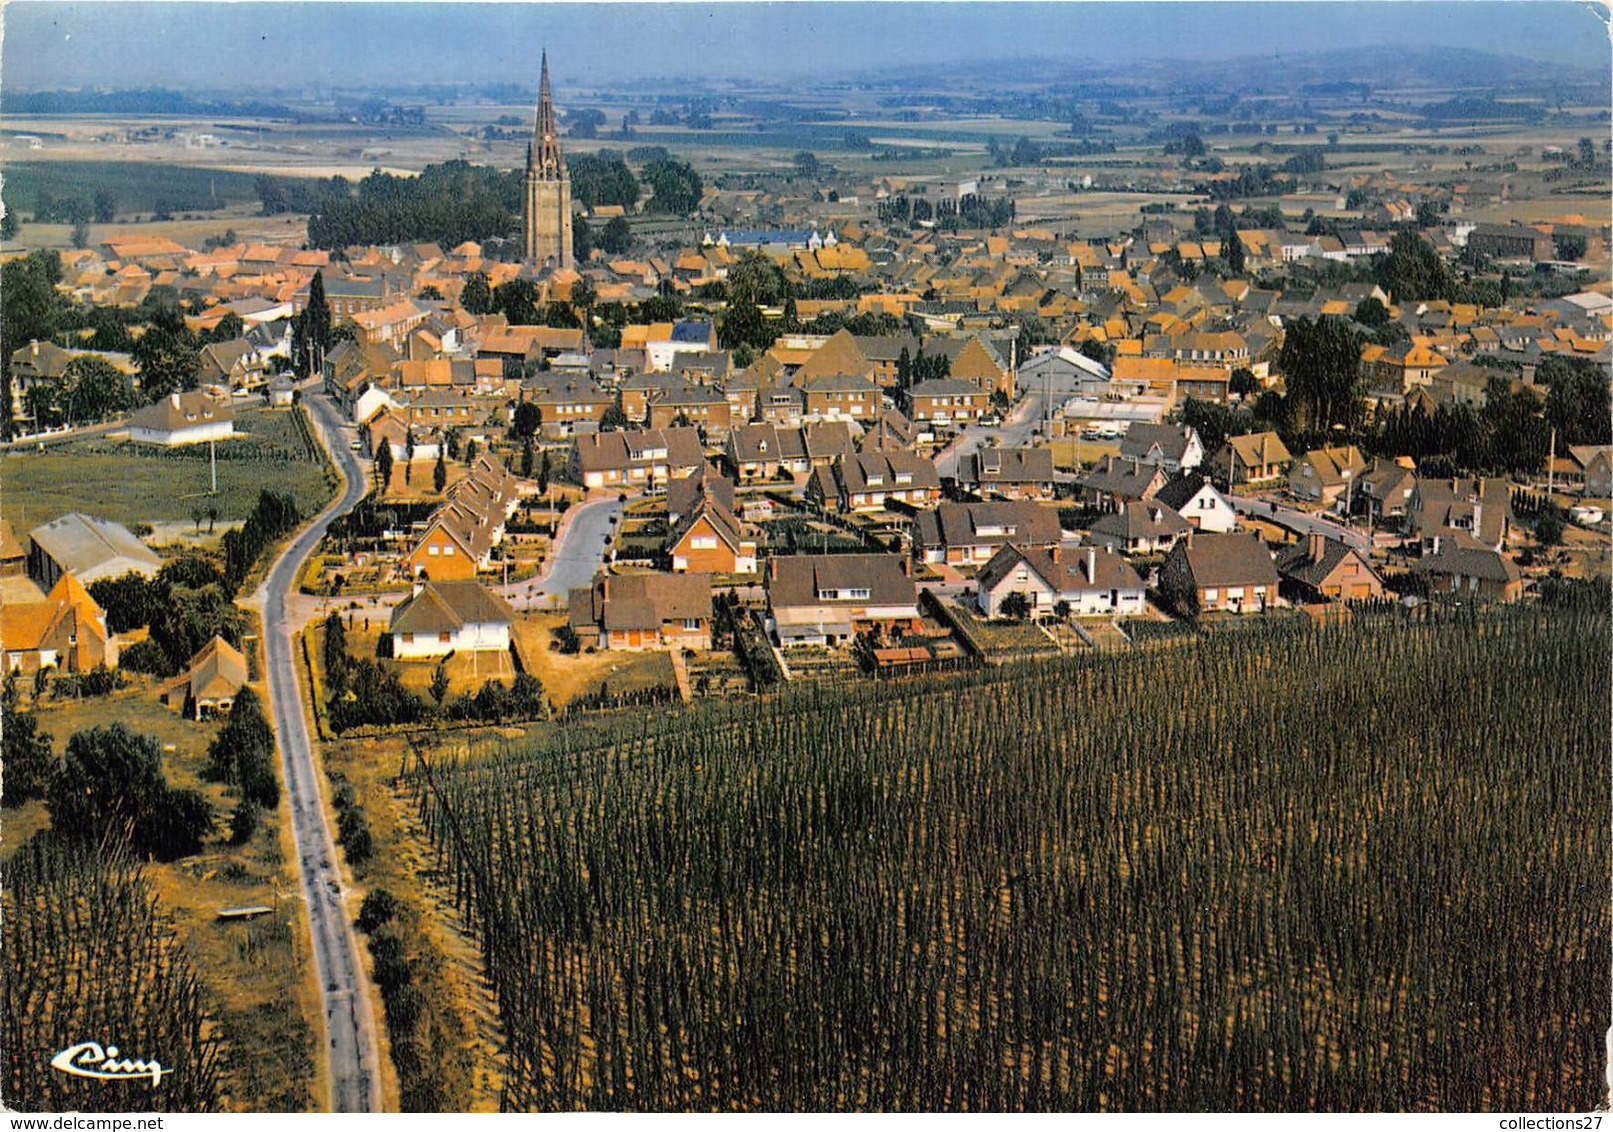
{"x":548,"y":186}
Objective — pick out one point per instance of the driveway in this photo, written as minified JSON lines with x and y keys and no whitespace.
{"x":585,"y":534}
{"x":1014,"y":432}
{"x":349,"y":1025}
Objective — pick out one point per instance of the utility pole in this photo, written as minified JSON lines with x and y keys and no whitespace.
{"x":212,"y":464}
{"x":1551,"y":465}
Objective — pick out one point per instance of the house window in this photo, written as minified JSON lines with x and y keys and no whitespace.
{"x":445,"y":637}
{"x":691,"y":624}
{"x":449,"y":549}
{"x":855,"y":594}
{"x":1212,"y":595}
{"x":408,"y":638}
{"x":704,"y":542}
{"x":432,"y":550}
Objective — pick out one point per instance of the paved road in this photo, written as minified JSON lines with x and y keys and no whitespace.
{"x":1014,"y":432}
{"x":583,"y":541}
{"x":1300,"y":521}
{"x":349,"y":1025}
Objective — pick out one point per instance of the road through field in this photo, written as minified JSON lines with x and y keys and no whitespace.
{"x":349,"y":1025}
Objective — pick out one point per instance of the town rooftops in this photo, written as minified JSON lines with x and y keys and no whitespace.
{"x":642,"y":602}
{"x":182,"y":410}
{"x":1228,"y":559}
{"x":982,"y":524}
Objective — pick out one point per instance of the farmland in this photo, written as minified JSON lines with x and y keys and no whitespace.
{"x":1054,"y":887}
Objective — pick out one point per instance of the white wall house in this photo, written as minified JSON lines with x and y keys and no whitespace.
{"x":183,"y":418}
{"x":1095,"y":582}
{"x":449,"y":616}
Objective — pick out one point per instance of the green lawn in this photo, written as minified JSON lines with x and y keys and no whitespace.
{"x":131,"y":483}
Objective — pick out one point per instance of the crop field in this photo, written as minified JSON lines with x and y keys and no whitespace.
{"x":137,"y":185}
{"x":1356,"y":867}
{"x":91,"y":955}
{"x":135,"y":483}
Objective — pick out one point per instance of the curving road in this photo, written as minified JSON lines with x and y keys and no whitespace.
{"x":349,"y":1024}
{"x":1301,"y":522}
{"x":584,"y":538}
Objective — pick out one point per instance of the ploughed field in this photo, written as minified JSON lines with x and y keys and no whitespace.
{"x":1356,"y":867}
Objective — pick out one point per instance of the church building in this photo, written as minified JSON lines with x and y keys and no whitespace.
{"x":548,"y":186}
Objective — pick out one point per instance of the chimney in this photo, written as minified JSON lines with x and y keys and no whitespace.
{"x":1317,"y":543}
{"x":173,"y":399}
{"x":1433,"y":545}
{"x":418,"y":586}
{"x":1092,"y":564}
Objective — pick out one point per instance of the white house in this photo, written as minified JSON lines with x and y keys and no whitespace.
{"x":183,"y":418}
{"x":449,"y":616}
{"x":1094,"y":582}
{"x":1196,"y":499}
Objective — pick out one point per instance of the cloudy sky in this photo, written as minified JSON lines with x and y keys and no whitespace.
{"x":51,"y":44}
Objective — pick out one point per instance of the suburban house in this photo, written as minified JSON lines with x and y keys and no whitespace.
{"x":1008,"y":473}
{"x":1455,"y":563}
{"x":460,"y":535}
{"x":13,"y":555}
{"x":1114,"y":480}
{"x":1196,"y":499}
{"x":762,"y":452}
{"x":644,"y":611}
{"x":441,"y":617}
{"x":841,"y":396}
{"x":210,"y":682}
{"x":870,"y":481}
{"x":1176,"y":448}
{"x":683,"y":494}
{"x":1093,"y":581}
{"x":1254,"y":458}
{"x":827,"y":599}
{"x":947,"y":400}
{"x":183,"y":418}
{"x":66,"y":631}
{"x":1481,"y":508}
{"x":1322,"y":475}
{"x":87,"y":548}
{"x":968,"y":534}
{"x":1321,"y":569}
{"x":1233,"y":572}
{"x":1387,"y":488}
{"x":641,"y":458}
{"x":1595,"y":465}
{"x":709,"y":539}
{"x":1144,"y":526}
{"x":235,"y":364}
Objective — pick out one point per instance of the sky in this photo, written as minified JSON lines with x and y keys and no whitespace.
{"x":54,"y":44}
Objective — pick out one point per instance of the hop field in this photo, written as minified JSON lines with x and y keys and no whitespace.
{"x":1300,"y":867}
{"x":91,"y":956}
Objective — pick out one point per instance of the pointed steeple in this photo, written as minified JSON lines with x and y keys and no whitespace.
{"x":543,"y":155}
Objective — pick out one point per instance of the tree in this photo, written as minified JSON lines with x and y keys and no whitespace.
{"x":95,"y":390}
{"x":81,"y":234}
{"x":27,"y":759}
{"x":1587,"y":153}
{"x":526,"y":458}
{"x":1062,"y":609}
{"x":806,"y":163}
{"x":1232,"y":251}
{"x":244,"y":822}
{"x":615,"y":238}
{"x":1576,"y":400}
{"x":614,"y":419}
{"x":1550,"y":523}
{"x":743,"y":323}
{"x":1243,"y":382}
{"x":675,"y":185}
{"x":106,"y":207}
{"x":408,"y":455}
{"x":383,"y":466}
{"x":378,"y":907}
{"x":439,"y":682}
{"x":477,"y":297}
{"x":1016,"y":606}
{"x":1371,"y":313}
{"x":1412,"y":271}
{"x":439,"y":472}
{"x":111,"y":785}
{"x":1321,"y":363}
{"x":525,"y":419}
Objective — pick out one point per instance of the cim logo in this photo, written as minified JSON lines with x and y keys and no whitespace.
{"x":89,"y":1059}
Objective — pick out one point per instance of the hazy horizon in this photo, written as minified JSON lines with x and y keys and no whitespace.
{"x":246,"y":46}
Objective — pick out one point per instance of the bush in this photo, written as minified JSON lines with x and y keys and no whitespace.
{"x":111,"y":782}
{"x":244,"y":822}
{"x":379,"y":907}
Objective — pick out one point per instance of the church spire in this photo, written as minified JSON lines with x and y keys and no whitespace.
{"x":543,"y":156}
